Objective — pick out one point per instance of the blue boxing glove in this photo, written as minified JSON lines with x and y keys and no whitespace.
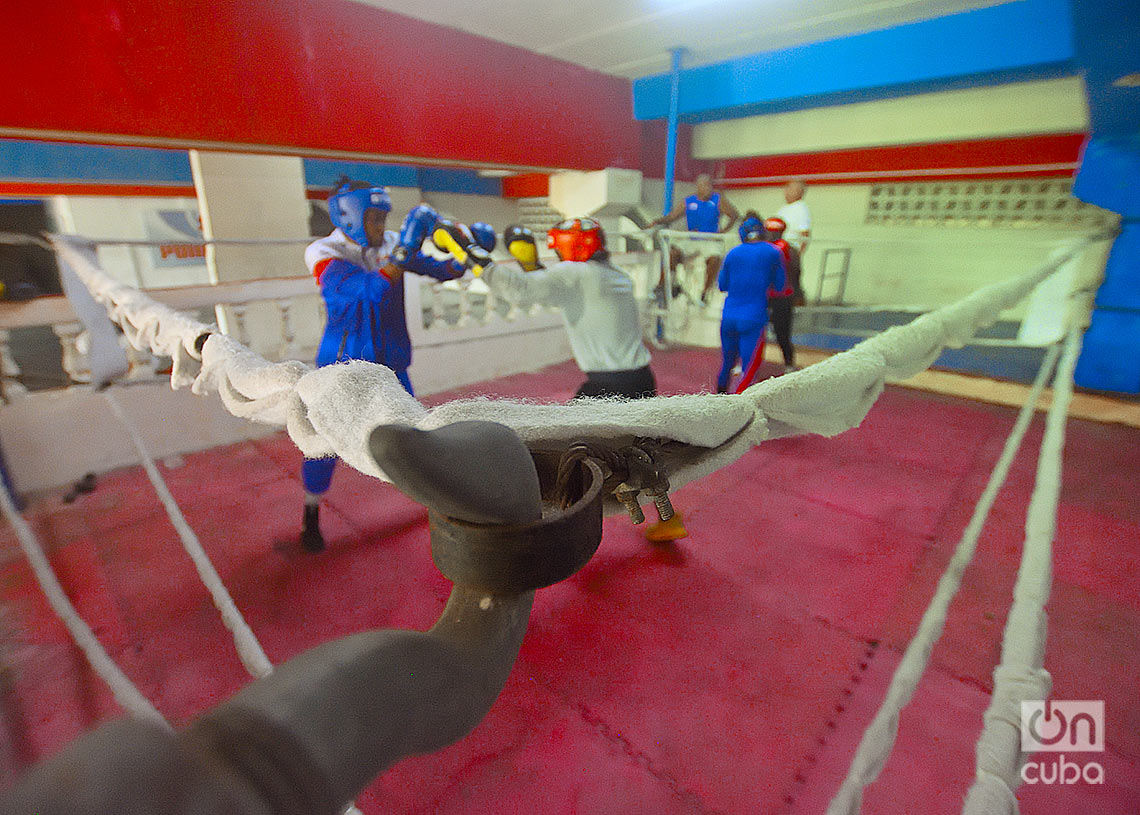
{"x":484,"y":235}
{"x":417,"y":226}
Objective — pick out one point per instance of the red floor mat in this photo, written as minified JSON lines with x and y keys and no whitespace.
{"x":731,"y":672}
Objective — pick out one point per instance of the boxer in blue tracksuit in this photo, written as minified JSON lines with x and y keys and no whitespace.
{"x":360,"y":269}
{"x":749,"y":270}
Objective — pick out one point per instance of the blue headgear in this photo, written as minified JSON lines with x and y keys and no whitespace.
{"x":347,"y":207}
{"x":484,"y":235}
{"x":751,"y":229}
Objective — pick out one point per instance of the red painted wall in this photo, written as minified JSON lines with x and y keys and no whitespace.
{"x":654,"y":135}
{"x":1050,"y":155}
{"x":323,"y":75}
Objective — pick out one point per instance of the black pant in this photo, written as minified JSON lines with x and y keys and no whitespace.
{"x":634,"y":384}
{"x":780,"y":309}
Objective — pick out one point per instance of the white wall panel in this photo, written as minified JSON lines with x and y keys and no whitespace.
{"x":1016,"y":109}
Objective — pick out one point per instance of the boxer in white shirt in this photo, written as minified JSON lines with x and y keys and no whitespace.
{"x":598,"y":306}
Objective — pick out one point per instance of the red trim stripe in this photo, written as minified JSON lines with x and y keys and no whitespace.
{"x":35,"y":189}
{"x":1051,"y":155}
{"x":319,"y":268}
{"x":527,"y":185}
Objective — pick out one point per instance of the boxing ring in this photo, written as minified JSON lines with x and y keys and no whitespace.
{"x":337,"y":410}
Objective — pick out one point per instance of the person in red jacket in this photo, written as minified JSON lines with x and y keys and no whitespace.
{"x":781,"y":304}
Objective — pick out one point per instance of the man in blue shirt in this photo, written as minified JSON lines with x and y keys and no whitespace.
{"x":702,"y":213}
{"x":748,"y":272}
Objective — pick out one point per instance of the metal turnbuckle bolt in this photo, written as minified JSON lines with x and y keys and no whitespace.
{"x":664,"y":505}
{"x":628,"y":497}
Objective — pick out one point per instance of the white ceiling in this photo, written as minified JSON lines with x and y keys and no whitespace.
{"x":632,"y":38}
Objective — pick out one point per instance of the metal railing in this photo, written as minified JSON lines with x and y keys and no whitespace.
{"x":55,"y":311}
{"x":438,"y":313}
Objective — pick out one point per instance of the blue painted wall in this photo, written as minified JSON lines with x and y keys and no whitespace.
{"x":322,"y":173}
{"x":57,"y":161}
{"x":447,"y":179}
{"x":28,"y":160}
{"x":1107,"y":37}
{"x":1019,"y":40}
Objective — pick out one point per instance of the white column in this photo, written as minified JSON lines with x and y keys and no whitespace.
{"x":243,"y":196}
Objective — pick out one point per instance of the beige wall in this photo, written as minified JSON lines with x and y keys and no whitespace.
{"x":241,"y":195}
{"x":1015,"y":109}
{"x":910,"y":265}
{"x":896,"y":264}
{"x":498,"y":212}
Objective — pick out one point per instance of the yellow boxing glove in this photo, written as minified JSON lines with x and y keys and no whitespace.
{"x":521,"y":244}
{"x":448,"y":236}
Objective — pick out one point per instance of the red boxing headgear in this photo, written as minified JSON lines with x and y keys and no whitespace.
{"x":576,"y":238}
{"x":776,"y":226}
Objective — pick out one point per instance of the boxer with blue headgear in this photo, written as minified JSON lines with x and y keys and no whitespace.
{"x":352,"y":204}
{"x":360,"y":269}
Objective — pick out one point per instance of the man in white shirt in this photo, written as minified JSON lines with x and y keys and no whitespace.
{"x":796,"y":215}
{"x":598,"y":306}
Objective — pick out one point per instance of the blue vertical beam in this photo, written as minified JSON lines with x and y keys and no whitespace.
{"x":671,"y":135}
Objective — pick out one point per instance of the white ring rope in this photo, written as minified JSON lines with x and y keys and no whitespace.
{"x":879,"y":738}
{"x":129,"y":697}
{"x":126,"y":694}
{"x":249,"y":649}
{"x":1020,"y":676}
{"x":202,"y":242}
{"x":19,"y":239}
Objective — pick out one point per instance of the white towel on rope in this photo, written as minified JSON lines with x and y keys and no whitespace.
{"x":331,"y":411}
{"x":826,"y":399}
{"x":147,"y":325}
